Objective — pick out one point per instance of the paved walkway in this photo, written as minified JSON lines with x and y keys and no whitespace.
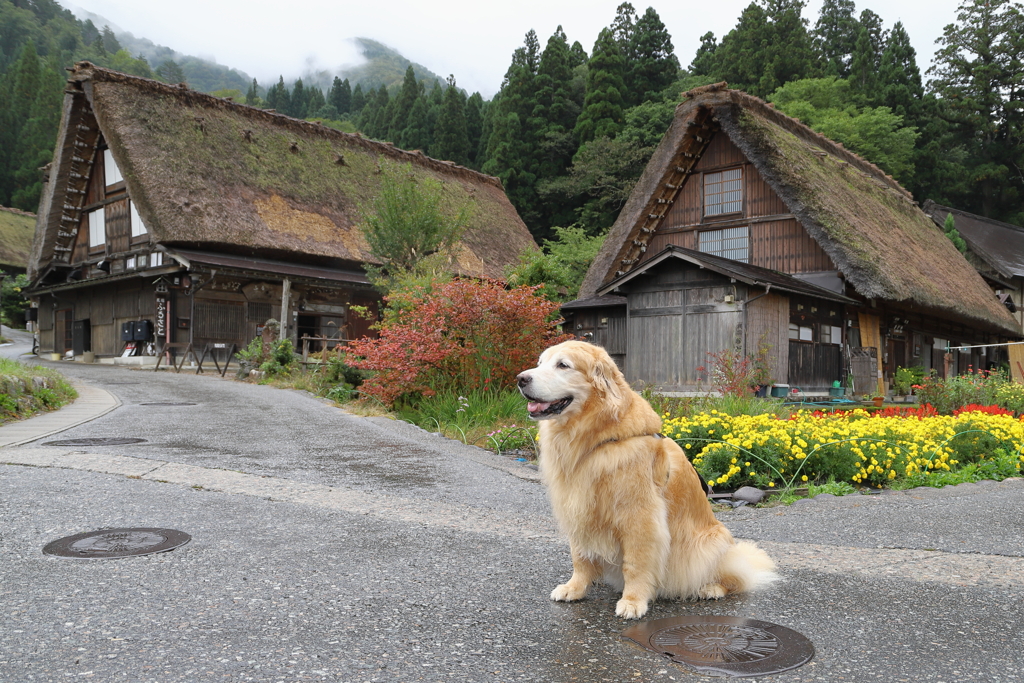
{"x":92,"y":402}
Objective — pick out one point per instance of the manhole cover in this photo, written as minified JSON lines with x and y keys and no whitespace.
{"x":166,"y":404}
{"x":97,"y":441}
{"x":111,"y":543}
{"x":724,"y":646}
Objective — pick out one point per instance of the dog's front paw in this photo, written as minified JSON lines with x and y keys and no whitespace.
{"x":630,"y":609}
{"x":568,"y":592}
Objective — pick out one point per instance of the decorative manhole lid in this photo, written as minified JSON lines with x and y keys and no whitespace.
{"x":167,"y":403}
{"x":96,"y":441}
{"x":724,"y":646}
{"x":112,"y":543}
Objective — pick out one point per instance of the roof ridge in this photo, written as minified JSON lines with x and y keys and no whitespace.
{"x":19,"y":212}
{"x":85,"y":70}
{"x":931,"y":204}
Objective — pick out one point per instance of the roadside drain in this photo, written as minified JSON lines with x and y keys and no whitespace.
{"x":113,"y":543}
{"x":95,"y":441}
{"x":724,"y":646}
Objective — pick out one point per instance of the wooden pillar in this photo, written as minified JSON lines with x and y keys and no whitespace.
{"x":286,"y":313}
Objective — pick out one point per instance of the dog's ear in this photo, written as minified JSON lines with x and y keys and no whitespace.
{"x":606,"y":376}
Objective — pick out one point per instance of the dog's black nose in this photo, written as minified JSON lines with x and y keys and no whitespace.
{"x":523,"y":379}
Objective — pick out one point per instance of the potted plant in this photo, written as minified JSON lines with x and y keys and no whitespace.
{"x":904,"y":379}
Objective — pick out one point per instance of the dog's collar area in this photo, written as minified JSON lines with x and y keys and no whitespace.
{"x":703,"y":484}
{"x":635,"y":436}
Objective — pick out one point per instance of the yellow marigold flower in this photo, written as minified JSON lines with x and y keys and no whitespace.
{"x":803,"y":478}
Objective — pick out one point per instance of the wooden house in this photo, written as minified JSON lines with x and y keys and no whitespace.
{"x":994,"y":248}
{"x":206,"y":218}
{"x":747,"y":225}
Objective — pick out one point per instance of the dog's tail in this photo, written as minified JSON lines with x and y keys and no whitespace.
{"x":745,"y":567}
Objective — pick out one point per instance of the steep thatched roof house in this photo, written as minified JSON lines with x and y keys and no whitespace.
{"x":16,"y":229}
{"x":208,"y":217}
{"x":735,"y":178}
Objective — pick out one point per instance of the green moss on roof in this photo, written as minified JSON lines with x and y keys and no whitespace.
{"x":884,"y":244}
{"x":206,"y":170}
{"x":16,"y":230}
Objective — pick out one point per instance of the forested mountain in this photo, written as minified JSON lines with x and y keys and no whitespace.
{"x":571,"y":130}
{"x":38,"y":39}
{"x":200,"y":74}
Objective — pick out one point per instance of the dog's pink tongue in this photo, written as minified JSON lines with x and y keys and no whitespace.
{"x":537,"y":406}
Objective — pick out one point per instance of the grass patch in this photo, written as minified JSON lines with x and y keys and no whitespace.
{"x":491,"y":419}
{"x":26,"y":390}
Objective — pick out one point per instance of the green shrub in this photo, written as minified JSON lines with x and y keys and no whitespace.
{"x":984,"y":388}
{"x":26,"y":390}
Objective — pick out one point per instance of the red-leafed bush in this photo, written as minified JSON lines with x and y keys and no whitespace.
{"x":462,"y":335}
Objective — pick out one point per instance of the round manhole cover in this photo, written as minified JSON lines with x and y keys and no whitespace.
{"x":724,"y":646}
{"x":168,"y":403}
{"x":96,"y":441}
{"x":112,"y":543}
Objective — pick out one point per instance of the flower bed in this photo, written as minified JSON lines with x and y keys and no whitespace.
{"x":902,"y":448}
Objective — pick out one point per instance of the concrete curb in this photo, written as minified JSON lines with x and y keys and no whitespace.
{"x":92,"y":402}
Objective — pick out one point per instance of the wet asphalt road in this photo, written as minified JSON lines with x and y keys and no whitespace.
{"x":441,"y":570}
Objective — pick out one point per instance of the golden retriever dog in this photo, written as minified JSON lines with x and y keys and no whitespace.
{"x":633,"y":507}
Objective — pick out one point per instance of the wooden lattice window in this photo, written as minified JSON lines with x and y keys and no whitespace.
{"x":221,"y":320}
{"x":723,"y":192}
{"x":256,"y":312}
{"x":731,"y":243}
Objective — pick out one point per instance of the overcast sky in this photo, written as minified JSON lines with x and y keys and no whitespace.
{"x":472,"y":40}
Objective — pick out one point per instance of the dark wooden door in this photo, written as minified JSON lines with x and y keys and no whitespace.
{"x":63,"y":323}
{"x":813,"y":366}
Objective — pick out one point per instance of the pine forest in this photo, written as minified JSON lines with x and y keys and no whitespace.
{"x":572,"y":128}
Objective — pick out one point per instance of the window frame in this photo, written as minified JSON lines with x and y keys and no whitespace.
{"x":111,"y":172}
{"x":97,"y":228}
{"x":704,"y":237}
{"x":717,"y":180}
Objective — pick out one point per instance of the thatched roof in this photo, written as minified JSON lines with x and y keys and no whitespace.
{"x":883,"y":244}
{"x":208,"y":173}
{"x":1000,"y":245}
{"x":16,"y":228}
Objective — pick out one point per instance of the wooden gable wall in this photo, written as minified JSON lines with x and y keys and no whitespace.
{"x":777,"y":240}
